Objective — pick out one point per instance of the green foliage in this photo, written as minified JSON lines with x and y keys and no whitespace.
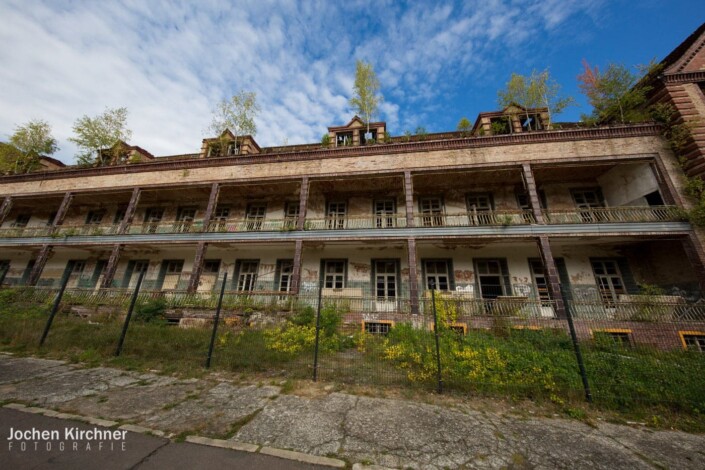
{"x":237,"y":115}
{"x":614,"y":93}
{"x":421,"y":132}
{"x":97,"y":138}
{"x":387,"y":137}
{"x":464,"y":125}
{"x":300,"y":334}
{"x":325,"y":141}
{"x":28,"y":143}
{"x":150,"y":310}
{"x":500,"y":126}
{"x":366,"y":97}
{"x":534,"y":91}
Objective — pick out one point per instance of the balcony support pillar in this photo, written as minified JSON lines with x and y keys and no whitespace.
{"x":197,"y":267}
{"x":5,"y":208}
{"x":303,"y":203}
{"x":694,"y":251}
{"x":210,"y":208}
{"x":296,"y":269}
{"x":130,"y":211}
{"x":39,"y":264}
{"x":533,"y":192}
{"x":413,"y":275}
{"x":552,"y":279}
{"x":110,"y":269}
{"x":63,"y":209}
{"x":665,"y":185}
{"x":409,"y":198}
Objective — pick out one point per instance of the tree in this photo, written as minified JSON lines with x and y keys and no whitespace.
{"x":366,"y":97}
{"x":237,"y":115}
{"x":534,"y":91}
{"x":464,"y":125}
{"x":29,"y":142}
{"x":99,"y":137}
{"x":614,"y":92}
{"x":516,"y":93}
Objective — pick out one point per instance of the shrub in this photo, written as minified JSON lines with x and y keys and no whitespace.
{"x":150,"y":310}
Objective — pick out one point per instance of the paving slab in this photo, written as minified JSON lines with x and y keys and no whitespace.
{"x":311,"y":425}
{"x":15,"y":369}
{"x":215,"y":411}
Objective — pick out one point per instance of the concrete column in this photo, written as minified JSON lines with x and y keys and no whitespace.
{"x":197,"y":267}
{"x":296,"y":269}
{"x":39,"y":264}
{"x":533,"y":192}
{"x":552,"y":279}
{"x":413,"y":275}
{"x":668,"y":191}
{"x":303,"y":203}
{"x":5,"y":208}
{"x":694,"y":251}
{"x":63,"y":209}
{"x":212,"y":203}
{"x":109,"y":273}
{"x":409,"y":198}
{"x":130,"y":211}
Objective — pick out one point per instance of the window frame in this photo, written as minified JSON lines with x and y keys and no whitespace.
{"x":324,"y":273}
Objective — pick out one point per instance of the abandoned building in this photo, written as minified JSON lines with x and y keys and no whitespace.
{"x":511,"y":211}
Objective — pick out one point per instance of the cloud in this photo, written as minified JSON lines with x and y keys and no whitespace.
{"x":169,"y":63}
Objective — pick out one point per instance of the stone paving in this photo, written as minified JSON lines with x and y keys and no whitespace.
{"x":373,"y":431}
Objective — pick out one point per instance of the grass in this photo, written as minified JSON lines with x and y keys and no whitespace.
{"x":658,"y":388}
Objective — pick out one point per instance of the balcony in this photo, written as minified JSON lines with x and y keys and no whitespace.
{"x":475,"y":219}
{"x":599,"y":215}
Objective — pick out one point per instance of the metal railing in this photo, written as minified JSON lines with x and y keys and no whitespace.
{"x":614,"y":214}
{"x":357,"y":222}
{"x":477,"y":218}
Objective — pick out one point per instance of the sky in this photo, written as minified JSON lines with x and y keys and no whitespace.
{"x":169,"y":63}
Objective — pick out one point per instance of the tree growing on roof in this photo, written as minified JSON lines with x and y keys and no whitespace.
{"x":236,"y":114}
{"x":100,"y":138}
{"x":366,"y":97}
{"x":534,"y":91}
{"x":28,"y":143}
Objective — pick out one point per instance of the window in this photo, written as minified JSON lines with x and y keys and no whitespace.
{"x":588,"y":200}
{"x":492,"y":277}
{"x":95,"y":217}
{"x":132,"y":274}
{"x":184,"y":219}
{"x":531,"y":123}
{"x":538,"y":274}
{"x":334,"y":274}
{"x":255,"y":216}
{"x":343,"y":139}
{"x":336,"y":215}
{"x":22,"y":220}
{"x":431,"y":211}
{"x":693,"y":340}
{"x":285,"y":270}
{"x":620,"y":338}
{"x":74,"y":271}
{"x":211,"y":266}
{"x":152,"y":217}
{"x":479,"y":208}
{"x":173,"y":266}
{"x":246,"y":274}
{"x":377,"y":327}
{"x":384,"y":213}
{"x":363,"y":138}
{"x":220,"y":218}
{"x":119,"y":215}
{"x":524,"y":200}
{"x":437,"y":274}
{"x":291,"y":214}
{"x":500,"y":125}
{"x":609,"y":280}
{"x":386,"y":280}
{"x":213,"y":150}
{"x":233,"y":149}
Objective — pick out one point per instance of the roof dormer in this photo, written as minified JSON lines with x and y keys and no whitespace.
{"x":512,"y":119}
{"x":227,"y":145}
{"x":355,"y":133}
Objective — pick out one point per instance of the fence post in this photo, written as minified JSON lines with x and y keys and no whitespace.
{"x":217,"y":318}
{"x":118,"y":350}
{"x":435,"y":331}
{"x":55,"y":307}
{"x":318,"y":329}
{"x":578,"y":354}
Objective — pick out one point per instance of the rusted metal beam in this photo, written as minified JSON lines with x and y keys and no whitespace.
{"x":111,"y":268}
{"x":552,"y":279}
{"x":533,"y":192}
{"x":409,"y":198}
{"x":303,"y":203}
{"x":197,"y":267}
{"x":296,"y":269}
{"x":39,"y":264}
{"x":5,"y":208}
{"x":130,"y":211}
{"x":210,"y":208}
{"x":413,"y":275}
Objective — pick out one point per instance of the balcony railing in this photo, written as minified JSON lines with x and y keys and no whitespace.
{"x":357,"y":222}
{"x":614,"y":214}
{"x":478,"y":218}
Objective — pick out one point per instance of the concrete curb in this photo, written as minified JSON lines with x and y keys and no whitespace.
{"x":206,"y":441}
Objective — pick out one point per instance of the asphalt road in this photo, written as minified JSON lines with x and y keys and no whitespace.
{"x":135,"y":451}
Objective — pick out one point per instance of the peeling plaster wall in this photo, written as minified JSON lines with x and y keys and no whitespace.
{"x":626,"y":185}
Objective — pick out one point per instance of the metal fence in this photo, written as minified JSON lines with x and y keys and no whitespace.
{"x":638,"y":349}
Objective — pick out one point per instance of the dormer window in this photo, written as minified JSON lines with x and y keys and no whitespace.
{"x":372,"y":136}
{"x":343,"y":139}
{"x":500,"y":125}
{"x":233,"y":149}
{"x":213,"y":151}
{"x":531,"y":123}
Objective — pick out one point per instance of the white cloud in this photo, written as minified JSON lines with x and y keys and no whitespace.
{"x":169,"y":63}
